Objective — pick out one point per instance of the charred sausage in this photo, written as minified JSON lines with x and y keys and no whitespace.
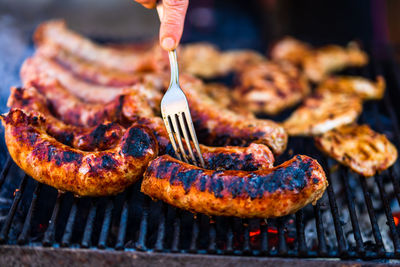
{"x":84,"y":173}
{"x":267,"y":193}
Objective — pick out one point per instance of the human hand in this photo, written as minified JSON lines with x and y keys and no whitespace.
{"x":172,"y":20}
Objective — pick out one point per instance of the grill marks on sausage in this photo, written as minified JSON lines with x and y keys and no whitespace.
{"x":97,"y":136}
{"x":231,"y":161}
{"x":44,"y":151}
{"x":292,"y":177}
{"x":137,"y":143}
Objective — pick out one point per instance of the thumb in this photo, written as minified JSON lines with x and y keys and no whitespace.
{"x":172,"y":23}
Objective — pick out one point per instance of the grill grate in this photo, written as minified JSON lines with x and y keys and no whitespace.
{"x":39,"y":216}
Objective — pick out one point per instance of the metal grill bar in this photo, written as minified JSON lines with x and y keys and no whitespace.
{"x":264,"y":237}
{"x":23,"y":237}
{"x":87,"y":234}
{"x":352,"y":211}
{"x":51,"y":229}
{"x":301,"y":239}
{"x":140,"y":244}
{"x":106,"y":223}
{"x":282,"y":248}
{"x":388,"y":212}
{"x":195,"y":234}
{"x":123,"y":221}
{"x":374,"y":223}
{"x":246,"y":237}
{"x":396,"y":185}
{"x":65,"y":242}
{"x":5,"y":169}
{"x":322,"y":249}
{"x":212,"y":245}
{"x":229,"y":237}
{"x":161,"y":229}
{"x":17,"y":198}
{"x":177,"y":231}
{"x":335,"y":213}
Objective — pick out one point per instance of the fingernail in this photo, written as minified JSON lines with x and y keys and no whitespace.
{"x":168,"y":43}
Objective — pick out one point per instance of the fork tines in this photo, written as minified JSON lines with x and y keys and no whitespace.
{"x":178,"y":126}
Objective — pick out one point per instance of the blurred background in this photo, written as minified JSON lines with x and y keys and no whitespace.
{"x":229,"y":24}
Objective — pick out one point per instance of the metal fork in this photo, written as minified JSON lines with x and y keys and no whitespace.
{"x":176,"y":114}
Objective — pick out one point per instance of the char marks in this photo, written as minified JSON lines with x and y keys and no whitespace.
{"x":137,"y":143}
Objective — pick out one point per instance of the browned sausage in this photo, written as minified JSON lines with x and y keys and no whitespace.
{"x":219,"y":127}
{"x":56,"y":33}
{"x":267,"y":193}
{"x":100,"y":137}
{"x":83,"y":173}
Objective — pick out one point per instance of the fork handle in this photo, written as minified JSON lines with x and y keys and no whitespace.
{"x":173,"y":60}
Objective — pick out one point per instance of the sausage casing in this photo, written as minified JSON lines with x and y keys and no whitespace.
{"x":264,"y":193}
{"x":84,"y":173}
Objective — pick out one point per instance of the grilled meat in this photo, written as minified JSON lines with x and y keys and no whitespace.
{"x":290,"y":49}
{"x":323,"y":61}
{"x":220,"y":127}
{"x":202,"y":60}
{"x":358,"y":147}
{"x":55,"y":32}
{"x":319,"y":63}
{"x":38,"y":66}
{"x":100,"y":137}
{"x":223,"y":96}
{"x":206,"y":61}
{"x":238,"y":60}
{"x":264,"y":193}
{"x":90,"y":71}
{"x":73,"y":110}
{"x":269,"y":87}
{"x":251,"y":158}
{"x":216,"y":126}
{"x":83,"y":173}
{"x":40,"y":69}
{"x":360,"y":86}
{"x":323,"y":112}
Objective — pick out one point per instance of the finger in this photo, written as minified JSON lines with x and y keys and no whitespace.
{"x":147,"y":3}
{"x":172,"y":23}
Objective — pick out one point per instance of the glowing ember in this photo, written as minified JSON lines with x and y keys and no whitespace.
{"x":15,"y":192}
{"x":396,"y":218}
{"x":255,"y":233}
{"x":272,"y":230}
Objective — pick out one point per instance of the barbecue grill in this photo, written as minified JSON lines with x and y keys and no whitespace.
{"x":357,"y":221}
{"x":39,"y":219}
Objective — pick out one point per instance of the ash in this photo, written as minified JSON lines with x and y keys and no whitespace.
{"x":363,"y":217}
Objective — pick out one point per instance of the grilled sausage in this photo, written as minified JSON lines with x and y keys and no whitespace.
{"x":99,"y":137}
{"x":216,"y":126}
{"x":251,"y":158}
{"x":264,"y":193}
{"x":106,"y":135}
{"x":94,"y":73}
{"x":37,"y":66}
{"x":83,"y":173}
{"x":220,"y":127}
{"x":55,"y":32}
{"x":72,"y":110}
